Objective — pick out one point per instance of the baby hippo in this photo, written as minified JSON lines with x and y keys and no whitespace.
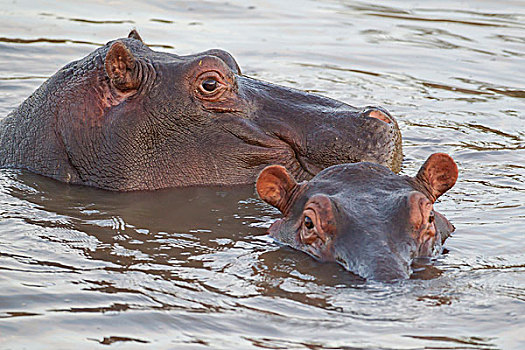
{"x":362,"y":215}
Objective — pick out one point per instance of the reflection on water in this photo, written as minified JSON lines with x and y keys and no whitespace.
{"x":193,"y":268}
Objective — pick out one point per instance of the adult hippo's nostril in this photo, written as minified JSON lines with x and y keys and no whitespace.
{"x":378,"y":113}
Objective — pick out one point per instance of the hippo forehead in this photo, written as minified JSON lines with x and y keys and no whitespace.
{"x":362,"y":180}
{"x":366,"y":197}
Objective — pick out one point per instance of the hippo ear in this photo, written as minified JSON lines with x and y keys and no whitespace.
{"x":439,"y":174}
{"x":135,"y":35}
{"x":121,"y":67}
{"x":275,"y":186}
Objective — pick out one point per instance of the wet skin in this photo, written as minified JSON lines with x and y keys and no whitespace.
{"x":128,"y":118}
{"x":363,"y":216}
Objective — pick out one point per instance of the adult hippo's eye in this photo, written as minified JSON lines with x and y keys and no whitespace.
{"x":308,"y":223}
{"x":210,"y":85}
{"x":431,"y":217}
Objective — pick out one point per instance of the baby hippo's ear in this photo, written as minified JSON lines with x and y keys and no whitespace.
{"x":439,"y":174}
{"x":275,"y":186}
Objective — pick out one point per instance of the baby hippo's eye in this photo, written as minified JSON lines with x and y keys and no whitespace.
{"x":209,"y":85}
{"x":431,"y":217}
{"x":308,"y":223}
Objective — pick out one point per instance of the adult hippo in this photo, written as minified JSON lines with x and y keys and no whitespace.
{"x":129,"y":118}
{"x":363,"y":216}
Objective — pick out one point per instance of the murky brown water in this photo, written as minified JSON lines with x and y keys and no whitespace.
{"x":192,"y":269}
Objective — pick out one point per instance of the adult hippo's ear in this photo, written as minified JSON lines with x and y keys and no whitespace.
{"x":275,"y":186}
{"x":135,"y":35}
{"x":122,"y":68}
{"x":438,"y":174}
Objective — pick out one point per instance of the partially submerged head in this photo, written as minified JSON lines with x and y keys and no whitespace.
{"x":131,"y":118}
{"x":362,"y":215}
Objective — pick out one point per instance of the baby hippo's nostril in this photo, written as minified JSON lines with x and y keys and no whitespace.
{"x":374,"y":112}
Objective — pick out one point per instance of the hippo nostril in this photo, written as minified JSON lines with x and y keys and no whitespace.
{"x":431,"y":217}
{"x":377,"y":113}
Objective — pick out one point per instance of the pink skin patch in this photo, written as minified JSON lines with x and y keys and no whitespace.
{"x":421,"y":218}
{"x":379,"y":115}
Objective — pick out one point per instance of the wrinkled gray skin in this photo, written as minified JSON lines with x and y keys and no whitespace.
{"x":128,"y":118}
{"x":363,"y":216}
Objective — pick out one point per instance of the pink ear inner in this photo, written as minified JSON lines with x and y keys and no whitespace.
{"x":439,"y":173}
{"x":275,"y":186}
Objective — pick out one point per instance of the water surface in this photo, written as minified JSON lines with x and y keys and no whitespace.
{"x":193,"y":268}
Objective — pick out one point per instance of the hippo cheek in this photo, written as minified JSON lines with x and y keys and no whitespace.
{"x":284,"y":231}
{"x":289,"y":149}
{"x":275,"y":230}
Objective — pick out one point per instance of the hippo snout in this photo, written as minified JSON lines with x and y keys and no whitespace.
{"x":366,"y":134}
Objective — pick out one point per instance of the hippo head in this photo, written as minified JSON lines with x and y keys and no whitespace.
{"x":130,"y":118}
{"x":363,"y":216}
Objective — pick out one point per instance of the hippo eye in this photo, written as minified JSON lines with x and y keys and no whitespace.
{"x":308,"y":223}
{"x":431,"y":217}
{"x":209,"y":85}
